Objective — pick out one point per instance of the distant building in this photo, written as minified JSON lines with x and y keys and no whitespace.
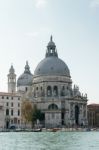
{"x":11,"y":106}
{"x":50,"y":89}
{"x":24,"y":82}
{"x":2,"y":121}
{"x":10,"y":103}
{"x":93,"y":115}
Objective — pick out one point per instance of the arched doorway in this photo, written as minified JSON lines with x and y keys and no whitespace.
{"x":77,"y":114}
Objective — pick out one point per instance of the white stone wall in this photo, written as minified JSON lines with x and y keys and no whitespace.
{"x":44,"y":81}
{"x":62,"y":101}
{"x":12,"y":103}
{"x":23,"y":88}
{"x":2,"y":118}
{"x":52,"y":119}
{"x":11,"y":82}
{"x":11,"y":87}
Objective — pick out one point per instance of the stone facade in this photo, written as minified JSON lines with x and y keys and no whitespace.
{"x":93,"y":115}
{"x":2,"y":121}
{"x":59,"y":102}
{"x":11,"y":113}
{"x":50,"y":88}
{"x":53,"y":92}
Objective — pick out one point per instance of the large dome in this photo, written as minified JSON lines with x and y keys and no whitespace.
{"x":52,"y":65}
{"x":26,"y":78}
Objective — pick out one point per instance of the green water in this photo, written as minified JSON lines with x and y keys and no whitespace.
{"x":49,"y":141}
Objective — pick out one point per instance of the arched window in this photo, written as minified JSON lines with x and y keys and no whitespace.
{"x":49,"y":91}
{"x":36,"y":93}
{"x":55,"y":91}
{"x":53,"y":107}
{"x":11,"y":112}
{"x":63,"y":91}
{"x":26,"y":89}
{"x":18,"y":112}
{"x":7,"y":112}
{"x":42,"y":91}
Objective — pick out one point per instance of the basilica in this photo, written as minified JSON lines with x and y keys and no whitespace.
{"x":50,"y":88}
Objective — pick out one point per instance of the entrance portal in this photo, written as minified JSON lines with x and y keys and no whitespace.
{"x":77,"y":114}
{"x":62,"y":117}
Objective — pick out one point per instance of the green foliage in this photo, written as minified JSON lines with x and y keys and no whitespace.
{"x":26,"y":109}
{"x":30,"y":113}
{"x":37,"y":114}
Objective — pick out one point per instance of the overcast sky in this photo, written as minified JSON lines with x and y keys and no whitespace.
{"x":25,"y":29}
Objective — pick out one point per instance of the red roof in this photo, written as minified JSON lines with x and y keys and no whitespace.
{"x":93,"y":105}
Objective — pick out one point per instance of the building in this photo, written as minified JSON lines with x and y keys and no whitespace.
{"x":10,"y":108}
{"x":24,"y":82}
{"x":11,"y":105}
{"x":50,"y":88}
{"x":93,"y":115}
{"x":2,"y":121}
{"x":53,"y":92}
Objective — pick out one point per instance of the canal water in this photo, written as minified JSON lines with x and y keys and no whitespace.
{"x":49,"y":141}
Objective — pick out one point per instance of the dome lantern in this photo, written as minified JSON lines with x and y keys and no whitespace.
{"x":27,"y":68}
{"x":51,"y":48}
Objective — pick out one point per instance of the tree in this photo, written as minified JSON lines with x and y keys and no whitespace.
{"x":30,"y":112}
{"x":36,"y":115}
{"x":26,"y":110}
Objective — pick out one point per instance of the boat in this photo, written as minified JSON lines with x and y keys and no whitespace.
{"x":37,"y":130}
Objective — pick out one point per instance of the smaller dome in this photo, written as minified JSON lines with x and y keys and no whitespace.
{"x":26,"y":78}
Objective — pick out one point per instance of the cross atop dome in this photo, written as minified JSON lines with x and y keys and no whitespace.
{"x":51,"y":38}
{"x":51,"y":48}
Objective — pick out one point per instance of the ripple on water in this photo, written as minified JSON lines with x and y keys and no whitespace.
{"x":49,"y":141}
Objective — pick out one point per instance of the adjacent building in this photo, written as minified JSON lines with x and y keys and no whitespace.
{"x":11,"y":109}
{"x":93,"y":115}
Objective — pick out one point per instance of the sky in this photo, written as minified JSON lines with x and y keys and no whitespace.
{"x":25,"y":30}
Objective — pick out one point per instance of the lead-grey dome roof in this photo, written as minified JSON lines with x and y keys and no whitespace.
{"x":26,"y":78}
{"x":52,"y":65}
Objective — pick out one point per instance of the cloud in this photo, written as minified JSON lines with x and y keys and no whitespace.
{"x":94,"y":3}
{"x":41,"y":31}
{"x":40,"y":3}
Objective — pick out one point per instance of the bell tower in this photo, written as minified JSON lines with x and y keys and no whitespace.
{"x":11,"y":80}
